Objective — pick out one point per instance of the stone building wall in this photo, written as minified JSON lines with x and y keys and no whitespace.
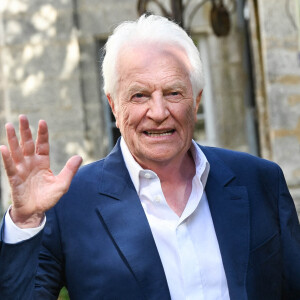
{"x":279,"y":39}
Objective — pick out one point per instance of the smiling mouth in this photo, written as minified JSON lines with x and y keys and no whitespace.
{"x":158,"y":134}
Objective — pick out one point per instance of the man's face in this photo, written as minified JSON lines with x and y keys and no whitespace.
{"x":154,"y":107}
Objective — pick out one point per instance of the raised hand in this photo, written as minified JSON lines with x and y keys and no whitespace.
{"x":34,"y":188}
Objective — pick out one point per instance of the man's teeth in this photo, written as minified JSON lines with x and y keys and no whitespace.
{"x":154,"y":134}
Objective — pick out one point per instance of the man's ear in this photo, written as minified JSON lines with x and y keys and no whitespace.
{"x":113,"y":107}
{"x":198,"y":100}
{"x":111,"y":103}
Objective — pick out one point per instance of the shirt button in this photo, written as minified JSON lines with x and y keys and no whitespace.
{"x":147,"y":175}
{"x":157,"y":198}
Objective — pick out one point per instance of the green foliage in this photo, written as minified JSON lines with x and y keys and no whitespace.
{"x":63,"y":295}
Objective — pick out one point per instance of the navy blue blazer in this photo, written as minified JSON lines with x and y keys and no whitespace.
{"x":98,"y":243}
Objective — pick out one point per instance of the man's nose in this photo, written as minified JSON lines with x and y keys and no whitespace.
{"x":158,"y":108}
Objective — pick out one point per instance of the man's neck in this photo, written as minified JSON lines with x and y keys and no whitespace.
{"x":174,"y":171}
{"x":179,"y":175}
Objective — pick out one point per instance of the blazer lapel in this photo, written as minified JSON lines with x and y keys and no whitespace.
{"x":121,"y":212}
{"x":229,"y":208}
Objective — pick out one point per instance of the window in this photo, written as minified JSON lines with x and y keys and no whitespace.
{"x":205,"y":129}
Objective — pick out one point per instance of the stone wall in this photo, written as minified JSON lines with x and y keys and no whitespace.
{"x":281,"y":65}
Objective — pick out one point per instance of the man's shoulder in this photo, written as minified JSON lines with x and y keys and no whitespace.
{"x":111,"y":164}
{"x":237,"y":160}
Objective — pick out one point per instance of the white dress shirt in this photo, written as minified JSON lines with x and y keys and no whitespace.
{"x":187,"y":245}
{"x":14,"y":234}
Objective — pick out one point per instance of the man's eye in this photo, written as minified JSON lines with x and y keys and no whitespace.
{"x":173,"y":96}
{"x":138,"y":97}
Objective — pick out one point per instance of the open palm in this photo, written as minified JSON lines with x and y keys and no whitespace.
{"x":34,"y":187}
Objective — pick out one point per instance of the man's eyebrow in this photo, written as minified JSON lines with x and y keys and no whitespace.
{"x":137,"y":88}
{"x":175,"y":85}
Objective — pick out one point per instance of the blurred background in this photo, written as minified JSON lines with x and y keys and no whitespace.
{"x":50,"y":56}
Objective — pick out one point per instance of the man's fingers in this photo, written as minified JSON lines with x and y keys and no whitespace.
{"x":69,"y":170}
{"x":16,"y":152}
{"x":8,"y":162}
{"x":27,"y":143}
{"x":42,"y":144}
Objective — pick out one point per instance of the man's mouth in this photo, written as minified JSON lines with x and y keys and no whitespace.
{"x":154,"y":133}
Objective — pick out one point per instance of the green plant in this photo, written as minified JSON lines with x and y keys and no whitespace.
{"x":63,"y":295}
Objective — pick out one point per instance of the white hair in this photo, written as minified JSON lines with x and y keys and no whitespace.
{"x":149,"y":29}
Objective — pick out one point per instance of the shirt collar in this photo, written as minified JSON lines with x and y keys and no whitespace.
{"x":134,"y":169}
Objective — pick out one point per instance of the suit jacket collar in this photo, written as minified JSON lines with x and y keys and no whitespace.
{"x":229,"y":206}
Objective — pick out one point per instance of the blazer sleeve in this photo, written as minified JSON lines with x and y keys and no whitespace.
{"x":18,"y":265}
{"x":49,"y":277}
{"x":290,"y":238}
{"x":32,"y":269}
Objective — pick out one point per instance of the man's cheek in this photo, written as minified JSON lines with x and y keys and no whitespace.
{"x":126,"y":121}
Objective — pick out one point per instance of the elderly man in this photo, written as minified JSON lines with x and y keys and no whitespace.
{"x":160,"y":217}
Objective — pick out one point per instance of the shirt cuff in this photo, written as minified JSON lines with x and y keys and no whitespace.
{"x":14,"y":234}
